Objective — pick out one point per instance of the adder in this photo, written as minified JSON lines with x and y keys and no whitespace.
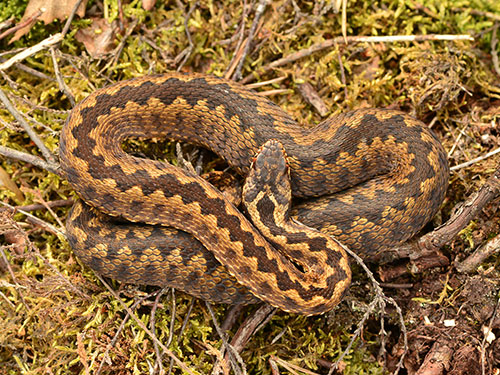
{"x":369,"y":178}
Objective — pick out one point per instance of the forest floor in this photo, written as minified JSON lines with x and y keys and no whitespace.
{"x":436,"y":60}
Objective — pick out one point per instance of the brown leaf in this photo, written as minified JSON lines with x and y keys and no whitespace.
{"x":52,"y":9}
{"x":7,"y":182}
{"x":11,"y":231}
{"x":148,"y":4}
{"x":98,"y":38}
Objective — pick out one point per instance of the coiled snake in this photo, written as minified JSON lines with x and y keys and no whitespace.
{"x":370,"y":178}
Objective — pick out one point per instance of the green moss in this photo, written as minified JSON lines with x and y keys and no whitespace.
{"x":12,"y":8}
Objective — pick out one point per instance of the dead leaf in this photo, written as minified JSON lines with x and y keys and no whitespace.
{"x":12,"y":231}
{"x":99,"y":38}
{"x":148,"y":4}
{"x":7,"y":182}
{"x":51,"y":10}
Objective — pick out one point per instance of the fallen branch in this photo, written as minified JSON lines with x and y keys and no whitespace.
{"x":251,"y":325}
{"x":430,"y":243}
{"x":463,"y":215}
{"x":261,"y":6}
{"x":352,"y":39}
{"x":312,"y":97}
{"x":471,"y":263}
{"x":50,"y":41}
{"x":32,"y":159}
{"x":27,"y":128}
{"x":475,"y":160}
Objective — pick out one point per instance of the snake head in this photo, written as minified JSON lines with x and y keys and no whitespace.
{"x":269,"y":164}
{"x":269,"y":174}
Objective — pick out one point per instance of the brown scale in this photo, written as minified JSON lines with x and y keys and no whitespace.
{"x":372,"y":178}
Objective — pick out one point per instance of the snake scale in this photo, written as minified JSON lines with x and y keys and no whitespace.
{"x":369,"y":178}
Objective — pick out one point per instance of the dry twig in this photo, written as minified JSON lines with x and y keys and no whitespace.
{"x":231,"y":317}
{"x":291,"y":367}
{"x":494,"y":54}
{"x":35,"y":250}
{"x":7,"y":23}
{"x":234,"y":358}
{"x":484,"y":251}
{"x":183,"y":327}
{"x":152,"y":323}
{"x":380,"y":300}
{"x":464,"y":213}
{"x":429,"y":244}
{"x":261,"y":7}
{"x":112,"y":343}
{"x":184,"y":55}
{"x":28,"y":21}
{"x":51,"y":204}
{"x":13,"y":276}
{"x":248,"y":328}
{"x":342,"y":72}
{"x":240,"y":34}
{"x":50,"y":41}
{"x":311,"y":96}
{"x":251,"y":325}
{"x":33,"y":219}
{"x":437,"y":360}
{"x":27,"y":128}
{"x":32,"y":159}
{"x":265,"y":83}
{"x":477,"y":12}
{"x":352,"y":39}
{"x":62,"y":85}
{"x":70,"y":17}
{"x":118,"y":50}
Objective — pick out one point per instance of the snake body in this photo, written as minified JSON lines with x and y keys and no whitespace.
{"x":371,"y":178}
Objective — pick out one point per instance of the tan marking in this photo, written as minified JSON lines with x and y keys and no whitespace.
{"x":104,"y":232}
{"x":101,"y":250}
{"x":143,"y":232}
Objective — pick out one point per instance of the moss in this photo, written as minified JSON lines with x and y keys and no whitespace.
{"x":58,"y":314}
{"x":12,"y":8}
